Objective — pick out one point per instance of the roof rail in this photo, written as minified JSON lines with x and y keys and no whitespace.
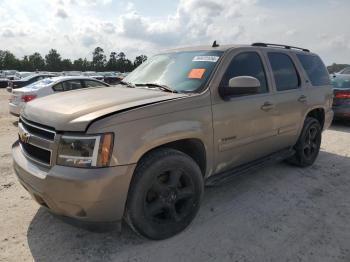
{"x":282,"y":46}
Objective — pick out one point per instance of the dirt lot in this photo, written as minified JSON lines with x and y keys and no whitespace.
{"x":280,"y":213}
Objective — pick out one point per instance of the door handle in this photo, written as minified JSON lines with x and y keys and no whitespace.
{"x":267,"y":106}
{"x":302,"y":99}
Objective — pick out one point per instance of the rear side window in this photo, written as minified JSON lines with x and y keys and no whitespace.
{"x":315,"y":69}
{"x":284,"y":71}
{"x":90,"y":83}
{"x":58,"y":87}
{"x":67,"y":85}
{"x":246,"y":64}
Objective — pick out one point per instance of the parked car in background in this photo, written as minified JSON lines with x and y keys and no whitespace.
{"x":9,"y":74}
{"x":49,"y":86}
{"x":111,"y":78}
{"x":21,"y":75}
{"x":143,"y":151}
{"x":341,"y":101}
{"x":93,"y":74}
{"x":71,"y":73}
{"x":27,"y":80}
{"x":4,"y":82}
{"x":345,"y":71}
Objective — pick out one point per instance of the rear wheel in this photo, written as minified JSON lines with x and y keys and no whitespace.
{"x":165,"y":194}
{"x":308,"y":145}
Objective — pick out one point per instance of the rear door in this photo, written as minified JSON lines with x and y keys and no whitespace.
{"x":318,"y":84}
{"x":244,"y":126}
{"x":291,"y":97}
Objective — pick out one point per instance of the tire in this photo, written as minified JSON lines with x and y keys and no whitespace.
{"x":308,"y":145}
{"x":165,"y":194}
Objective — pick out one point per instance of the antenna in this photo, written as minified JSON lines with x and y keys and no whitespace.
{"x":215,"y":44}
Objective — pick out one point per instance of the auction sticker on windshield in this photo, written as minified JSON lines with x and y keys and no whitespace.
{"x":196,"y":73}
{"x":213,"y":59}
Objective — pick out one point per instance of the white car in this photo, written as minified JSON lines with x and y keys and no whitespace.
{"x":46,"y":87}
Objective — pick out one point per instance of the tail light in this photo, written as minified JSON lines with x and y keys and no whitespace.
{"x":28,"y":98}
{"x":343,"y":95}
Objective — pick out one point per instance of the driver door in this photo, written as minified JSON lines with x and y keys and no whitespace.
{"x":245,"y":126}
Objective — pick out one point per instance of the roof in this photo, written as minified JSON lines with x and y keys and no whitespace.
{"x":233,"y":46}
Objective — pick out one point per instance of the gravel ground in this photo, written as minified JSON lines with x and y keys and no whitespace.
{"x":280,"y":213}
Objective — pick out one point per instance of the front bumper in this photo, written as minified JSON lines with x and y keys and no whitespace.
{"x":96,"y":195}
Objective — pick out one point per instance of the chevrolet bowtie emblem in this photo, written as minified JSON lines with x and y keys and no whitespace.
{"x":24,"y":137}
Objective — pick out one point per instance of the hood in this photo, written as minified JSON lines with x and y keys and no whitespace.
{"x":74,"y":110}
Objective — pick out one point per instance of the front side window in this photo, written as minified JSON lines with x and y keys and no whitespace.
{"x":284,"y":72}
{"x":315,"y":69}
{"x":185,"y":71}
{"x":246,"y":64}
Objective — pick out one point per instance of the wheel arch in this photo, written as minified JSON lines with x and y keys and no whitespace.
{"x":193,"y":147}
{"x":317,"y":113}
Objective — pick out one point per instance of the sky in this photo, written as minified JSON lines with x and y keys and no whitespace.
{"x":76,"y":27}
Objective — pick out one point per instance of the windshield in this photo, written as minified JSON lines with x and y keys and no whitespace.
{"x":181,"y":71}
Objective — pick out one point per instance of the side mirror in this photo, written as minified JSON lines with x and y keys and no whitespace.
{"x":243,"y":85}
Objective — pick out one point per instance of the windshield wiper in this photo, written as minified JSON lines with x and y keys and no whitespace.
{"x":159,"y":86}
{"x":128,"y":84}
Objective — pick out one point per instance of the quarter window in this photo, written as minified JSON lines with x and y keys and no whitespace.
{"x":284,"y":72}
{"x":315,"y":69}
{"x":246,"y":64}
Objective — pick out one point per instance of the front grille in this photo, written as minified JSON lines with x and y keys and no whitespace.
{"x":36,"y":153}
{"x":37,"y":130}
{"x":37,"y":141}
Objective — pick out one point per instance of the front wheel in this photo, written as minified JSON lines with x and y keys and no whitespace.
{"x":308,"y":144}
{"x":165,"y":194}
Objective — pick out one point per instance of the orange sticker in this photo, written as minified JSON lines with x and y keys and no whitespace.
{"x":196,"y":73}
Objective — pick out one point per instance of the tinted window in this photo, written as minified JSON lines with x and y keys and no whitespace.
{"x":284,"y":72}
{"x":315,"y":69}
{"x":90,"y":83}
{"x":67,"y":85}
{"x":58,"y":87}
{"x":71,"y":85}
{"x":246,"y":64}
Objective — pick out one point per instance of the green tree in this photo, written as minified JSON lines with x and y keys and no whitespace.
{"x":9,"y":61}
{"x":36,"y":62}
{"x":78,"y":64}
{"x":67,"y":65}
{"x":53,"y":61}
{"x":139,"y":60}
{"x":112,"y":63}
{"x":98,"y":59}
{"x":25,"y":65}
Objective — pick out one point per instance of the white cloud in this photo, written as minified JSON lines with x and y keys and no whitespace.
{"x":61,"y":13}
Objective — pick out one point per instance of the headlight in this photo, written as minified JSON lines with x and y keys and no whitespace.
{"x":85,"y":151}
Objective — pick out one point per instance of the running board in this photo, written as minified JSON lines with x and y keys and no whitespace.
{"x":253,"y":166}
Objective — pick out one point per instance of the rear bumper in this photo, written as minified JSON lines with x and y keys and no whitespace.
{"x":14,"y":109}
{"x":328,"y":119}
{"x":342,"y":111}
{"x":94,"y":195}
